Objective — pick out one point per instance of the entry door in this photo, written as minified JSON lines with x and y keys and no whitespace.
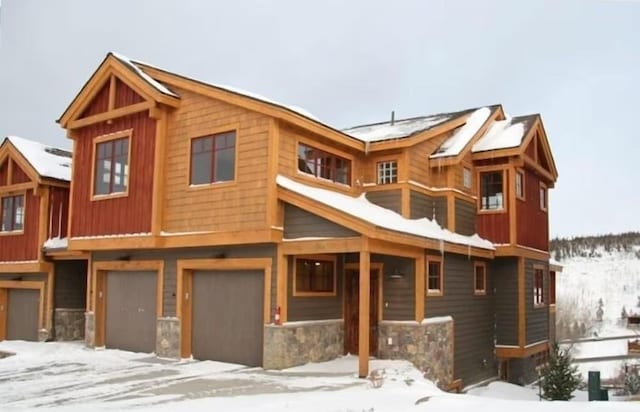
{"x":351,"y":313}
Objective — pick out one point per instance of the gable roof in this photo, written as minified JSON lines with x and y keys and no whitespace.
{"x":47,"y":161}
{"x":461,"y":137}
{"x":505,"y":134}
{"x":142,"y":75}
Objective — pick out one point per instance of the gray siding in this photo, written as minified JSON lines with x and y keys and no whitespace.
{"x":315,"y":307}
{"x":465,"y":217}
{"x":170,"y":256}
{"x":428,"y":206}
{"x":473,"y":319}
{"x":300,"y":223}
{"x":70,"y":286}
{"x":537,"y":318}
{"x":504,"y":272}
{"x":390,"y":199}
{"x":522,"y":371}
{"x":398,"y":295}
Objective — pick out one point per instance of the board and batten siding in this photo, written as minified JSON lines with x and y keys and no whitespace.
{"x":504,"y":273}
{"x":23,"y":246}
{"x":537,"y":317}
{"x":473,"y":317}
{"x":423,"y":205}
{"x":303,"y":308}
{"x":389,"y":199}
{"x":299,"y":223}
{"x":231,"y":206}
{"x":58,"y":212}
{"x":532,"y":221}
{"x":398,"y":295}
{"x":70,"y":287}
{"x":465,"y":217}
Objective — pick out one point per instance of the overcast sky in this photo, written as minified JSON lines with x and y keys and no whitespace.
{"x":575,"y":62}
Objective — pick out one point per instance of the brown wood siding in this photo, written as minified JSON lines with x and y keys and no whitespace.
{"x":473,"y":319}
{"x":427,"y":206}
{"x":128,"y":214}
{"x":311,"y":307}
{"x":70,"y":286}
{"x":494,"y":227}
{"x":240,"y":205}
{"x":421,"y":168}
{"x":532,"y":222}
{"x":125,"y":96}
{"x":58,"y":212}
{"x":465,"y":217}
{"x":390,"y":199}
{"x":99,"y":104}
{"x":300,"y":223}
{"x":4,"y":172}
{"x":18,"y":175}
{"x":170,"y":256}
{"x":504,"y":273}
{"x":23,"y":246}
{"x":398,"y":295}
{"x":537,"y":318}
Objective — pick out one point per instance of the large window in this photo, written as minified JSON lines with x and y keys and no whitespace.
{"x":322,"y":164}
{"x":387,"y":172}
{"x":434,"y":277}
{"x":480,"y":279}
{"x":213,"y":158}
{"x":111,"y":171}
{"x":12,"y":213}
{"x":538,"y":287}
{"x":315,"y":276}
{"x":491,"y":190}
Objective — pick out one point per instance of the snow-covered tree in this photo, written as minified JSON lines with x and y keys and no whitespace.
{"x":559,"y":378}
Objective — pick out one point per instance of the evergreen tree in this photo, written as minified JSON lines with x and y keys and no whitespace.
{"x":559,"y":377}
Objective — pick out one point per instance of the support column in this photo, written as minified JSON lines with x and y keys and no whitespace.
{"x":363,"y":314}
{"x":420,"y":286}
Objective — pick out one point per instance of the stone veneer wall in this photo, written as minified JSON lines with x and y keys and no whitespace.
{"x":297,"y":343}
{"x":90,"y":329}
{"x":168,"y":338}
{"x":428,"y":345}
{"x":68,"y":324}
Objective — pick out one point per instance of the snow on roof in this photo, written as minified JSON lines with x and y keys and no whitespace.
{"x":56,"y":243}
{"x":461,"y":137}
{"x":399,"y":128}
{"x":151,"y":81}
{"x":504,"y":134}
{"x":361,"y":208}
{"x":46,"y":160}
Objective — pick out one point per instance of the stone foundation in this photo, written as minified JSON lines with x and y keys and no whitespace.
{"x":297,"y":343}
{"x":428,"y":345}
{"x":168,"y":338}
{"x":89,"y":329}
{"x":43,"y":335}
{"x":68,"y":324}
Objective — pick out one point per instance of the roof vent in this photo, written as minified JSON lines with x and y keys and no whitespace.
{"x":57,"y":152}
{"x":393,"y":117}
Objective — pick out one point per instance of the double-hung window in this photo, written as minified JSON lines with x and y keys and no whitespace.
{"x":213,"y":158}
{"x":492,"y":190}
{"x":12,"y":213}
{"x":111,"y":169}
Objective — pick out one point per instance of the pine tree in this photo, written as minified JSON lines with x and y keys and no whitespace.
{"x":559,"y":377}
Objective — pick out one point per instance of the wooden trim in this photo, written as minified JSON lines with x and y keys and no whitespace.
{"x":49,"y":303}
{"x":24,"y":267}
{"x":542,"y":188}
{"x":70,"y":212}
{"x":9,"y":170}
{"x":218,"y":238}
{"x":321,"y":258}
{"x":273,"y":153}
{"x":332,"y":151}
{"x":483,"y":291}
{"x":43,"y":221}
{"x":394,"y":249}
{"x":310,"y":246}
{"x":420,"y":287}
{"x":378,"y":267}
{"x":113,"y":243}
{"x":523,"y":251}
{"x":66,"y":254}
{"x":112,"y":93}
{"x":451,"y":213}
{"x":4,"y":303}
{"x":16,"y":156}
{"x":520,"y":172}
{"x":522,"y":314}
{"x":17,"y":188}
{"x":521,"y":352}
{"x":24,"y":216}
{"x":363,"y":314}
{"x":513,"y":210}
{"x":111,"y":114}
{"x":128,"y":134}
{"x":434,"y":292}
{"x":89,"y":296}
{"x":405,"y":202}
{"x":157,"y":206}
{"x":281,"y":283}
{"x":505,"y":190}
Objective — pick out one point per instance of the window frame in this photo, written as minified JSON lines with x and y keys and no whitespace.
{"x":383,"y":162}
{"x":106,"y":138}
{"x":212,"y":134}
{"x":466,"y":172}
{"x":476,"y":266}
{"x":321,"y":258}
{"x":538,"y":287}
{"x":440,"y":290}
{"x":520,"y":173}
{"x":503,"y":208}
{"x":23,"y":196}
{"x":543,"y":197}
{"x":329,"y":151}
{"x":552,"y":287}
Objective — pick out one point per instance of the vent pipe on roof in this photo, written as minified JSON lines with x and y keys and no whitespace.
{"x":393,"y":117}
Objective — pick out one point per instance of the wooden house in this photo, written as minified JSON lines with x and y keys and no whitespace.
{"x":39,"y":298}
{"x":225,"y":226}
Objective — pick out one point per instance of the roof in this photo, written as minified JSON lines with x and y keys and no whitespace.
{"x":48,"y":161}
{"x":505,"y":134}
{"x":463,"y":135}
{"x":144,"y":76}
{"x":363,"y":209}
{"x":376,"y":132}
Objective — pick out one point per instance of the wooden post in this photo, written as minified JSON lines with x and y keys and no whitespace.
{"x":420,"y":285}
{"x":363,"y":315}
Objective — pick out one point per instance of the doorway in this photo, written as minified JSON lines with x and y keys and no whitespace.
{"x":351,"y":305}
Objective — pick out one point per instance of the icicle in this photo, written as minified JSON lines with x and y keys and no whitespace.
{"x":469,"y":252}
{"x":442,"y":247}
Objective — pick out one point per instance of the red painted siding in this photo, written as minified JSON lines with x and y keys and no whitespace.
{"x":129,"y":214}
{"x":100,"y":103}
{"x":18,"y":175}
{"x":4,"y":172}
{"x":125,"y":96}
{"x":533,"y":223}
{"x":494,"y":226}
{"x":58,"y":212}
{"x":24,"y":246}
{"x":531,"y":149}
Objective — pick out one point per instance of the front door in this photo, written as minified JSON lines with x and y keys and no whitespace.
{"x":351,"y":313}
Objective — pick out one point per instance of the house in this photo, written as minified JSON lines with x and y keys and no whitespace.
{"x":223,"y":225}
{"x":40,"y":298}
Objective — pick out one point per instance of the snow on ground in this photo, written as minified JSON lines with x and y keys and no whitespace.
{"x":69,"y":377}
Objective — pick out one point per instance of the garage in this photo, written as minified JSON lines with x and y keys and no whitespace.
{"x":22,"y":314}
{"x":130,"y":322}
{"x":228,"y":317}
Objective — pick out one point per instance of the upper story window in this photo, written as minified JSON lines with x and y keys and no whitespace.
{"x":491,"y":190}
{"x":543,"y":197}
{"x":213,"y":158}
{"x":315,"y":276}
{"x":538,"y":287}
{"x":111,"y":172}
{"x":387,"y":172}
{"x":12,"y":213}
{"x":480,"y":279}
{"x":434,"y":277}
{"x":520,"y":184}
{"x":467,"y":180}
{"x":322,"y":164}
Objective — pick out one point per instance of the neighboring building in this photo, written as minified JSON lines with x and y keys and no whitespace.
{"x":39,"y":299}
{"x":225,"y":226}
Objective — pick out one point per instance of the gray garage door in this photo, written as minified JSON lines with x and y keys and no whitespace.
{"x":228,"y":316}
{"x":131,"y":311}
{"x":22,"y":316}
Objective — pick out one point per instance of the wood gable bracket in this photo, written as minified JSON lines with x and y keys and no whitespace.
{"x":16,"y":163}
{"x":536,"y":153}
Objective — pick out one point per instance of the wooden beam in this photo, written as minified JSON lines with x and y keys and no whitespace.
{"x":49,"y":302}
{"x":43,"y":221}
{"x":157,"y":206}
{"x":364,"y":314}
{"x":419,"y":287}
{"x":281,"y":284}
{"x":24,"y":267}
{"x":111,"y":114}
{"x":451,"y":213}
{"x":112,"y":93}
{"x":522,"y":251}
{"x":273,"y":155}
{"x":504,"y":352}
{"x":315,"y":246}
{"x":20,"y":187}
{"x":512,"y":205}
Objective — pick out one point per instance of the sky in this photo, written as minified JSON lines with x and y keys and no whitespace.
{"x":576,"y":62}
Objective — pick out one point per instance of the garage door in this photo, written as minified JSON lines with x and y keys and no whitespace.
{"x":22,"y":315}
{"x":228,"y":316}
{"x":131,"y":311}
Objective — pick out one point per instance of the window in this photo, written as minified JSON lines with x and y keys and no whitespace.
{"x":315,"y":276}
{"x":520,"y":184}
{"x":538,"y":287}
{"x":213,"y":158}
{"x":325,"y":165}
{"x":387,"y":172}
{"x":434,"y":277}
{"x":480,"y":279}
{"x":543,"y":197}
{"x":552,"y":288}
{"x":491,"y":193}
{"x":112,"y":167}
{"x":466,"y":178}
{"x":12,"y":213}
